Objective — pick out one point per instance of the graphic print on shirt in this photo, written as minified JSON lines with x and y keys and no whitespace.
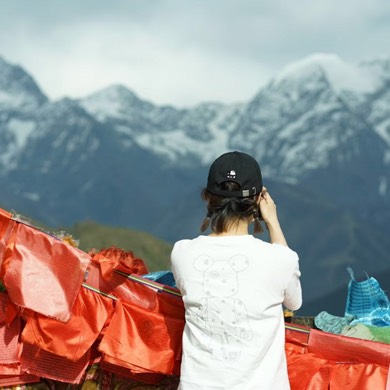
{"x":224,"y":317}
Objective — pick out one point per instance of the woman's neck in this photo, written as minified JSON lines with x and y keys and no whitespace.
{"x":237,"y":229}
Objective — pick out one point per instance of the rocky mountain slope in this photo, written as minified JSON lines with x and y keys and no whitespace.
{"x":320,"y":129}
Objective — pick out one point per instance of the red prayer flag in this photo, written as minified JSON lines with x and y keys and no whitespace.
{"x":74,"y":338}
{"x":12,"y":380}
{"x":143,"y":338}
{"x":336,"y":362}
{"x":9,"y":336}
{"x":46,"y":266}
{"x":44,"y":364}
{"x":7,"y":227}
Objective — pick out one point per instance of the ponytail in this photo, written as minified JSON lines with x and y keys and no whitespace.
{"x":206,"y":222}
{"x":257,"y":228}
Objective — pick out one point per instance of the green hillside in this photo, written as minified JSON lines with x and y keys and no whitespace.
{"x":154,"y":252}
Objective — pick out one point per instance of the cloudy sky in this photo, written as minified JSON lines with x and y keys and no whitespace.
{"x":183,"y":52}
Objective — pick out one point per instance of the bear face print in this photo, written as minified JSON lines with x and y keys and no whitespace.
{"x":223,"y":317}
{"x":220,"y":278}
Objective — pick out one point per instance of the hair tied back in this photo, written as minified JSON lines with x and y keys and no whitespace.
{"x":257,"y":228}
{"x":206,"y":222}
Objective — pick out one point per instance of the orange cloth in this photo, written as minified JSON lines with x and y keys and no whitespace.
{"x":12,"y":380}
{"x":128,"y":370}
{"x":144,"y":338}
{"x":302,"y":367}
{"x":74,"y":338}
{"x":5,"y":218}
{"x":117,"y":259}
{"x":124,"y":289}
{"x":5,"y":213}
{"x":9,"y":339}
{"x":162,"y":309}
{"x":330,"y":361}
{"x":361,"y":376}
{"x":50,"y":268}
{"x":44,"y":364}
{"x":7,"y":239}
{"x":348,"y":349}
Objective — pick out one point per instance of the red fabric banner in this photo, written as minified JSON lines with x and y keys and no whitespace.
{"x":7,"y":239}
{"x":74,"y":338}
{"x":128,"y":370}
{"x":117,"y":259}
{"x":345,"y":349}
{"x":5,"y":218}
{"x":330,"y":361}
{"x":9,"y":338}
{"x":50,"y":268}
{"x":12,"y":380}
{"x":143,"y":338}
{"x":44,"y":364}
{"x":5,"y":214}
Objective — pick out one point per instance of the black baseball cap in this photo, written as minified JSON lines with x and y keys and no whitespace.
{"x":238,"y":167}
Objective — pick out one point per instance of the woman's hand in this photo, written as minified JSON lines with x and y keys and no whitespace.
{"x":267,"y":207}
{"x":268,"y":212}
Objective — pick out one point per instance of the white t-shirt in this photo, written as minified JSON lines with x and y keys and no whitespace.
{"x":233,"y":290}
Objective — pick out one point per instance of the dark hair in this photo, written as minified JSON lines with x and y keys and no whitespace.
{"x":222,"y":212}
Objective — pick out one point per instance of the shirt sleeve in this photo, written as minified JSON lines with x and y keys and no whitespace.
{"x":175,"y":254}
{"x":293,"y":292}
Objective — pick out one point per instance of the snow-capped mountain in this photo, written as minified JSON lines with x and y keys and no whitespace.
{"x":294,"y":125}
{"x":18,"y":90}
{"x":177,"y":135}
{"x":320,"y":130}
{"x":304,"y":114}
{"x":320,"y":120}
{"x":321,"y":102}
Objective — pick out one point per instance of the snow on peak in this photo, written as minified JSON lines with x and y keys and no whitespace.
{"x":19,"y":132}
{"x":18,"y":89}
{"x":116,"y":91}
{"x":342,"y":75}
{"x":110,"y":102}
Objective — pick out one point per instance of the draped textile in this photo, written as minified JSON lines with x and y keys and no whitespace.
{"x":112,"y":258}
{"x":143,"y":338}
{"x":128,"y":370}
{"x":73,"y":339}
{"x":44,"y":364}
{"x":321,"y":360}
{"x":9,"y":340}
{"x":10,"y":370}
{"x":137,"y":324}
{"x":6,"y":232}
{"x":20,"y":379}
{"x":51,"y":268}
{"x":367,"y":303}
{"x":5,"y":217}
{"x":348,"y":349}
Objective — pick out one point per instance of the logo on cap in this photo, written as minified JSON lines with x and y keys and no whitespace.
{"x":231,"y":174}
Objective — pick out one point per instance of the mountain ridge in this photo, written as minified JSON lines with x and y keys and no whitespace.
{"x":123,"y":161}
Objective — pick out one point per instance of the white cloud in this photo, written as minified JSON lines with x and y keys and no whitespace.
{"x":182,"y":52}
